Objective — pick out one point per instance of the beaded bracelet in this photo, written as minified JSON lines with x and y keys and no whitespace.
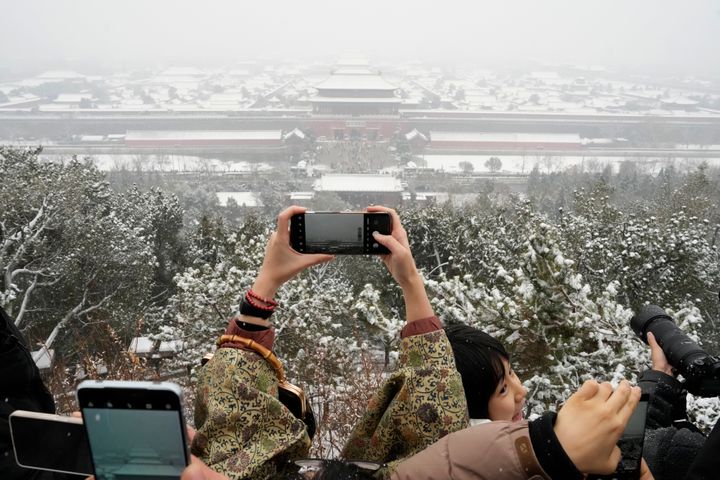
{"x":255,"y":304}
{"x":254,"y":295}
{"x":247,"y":308}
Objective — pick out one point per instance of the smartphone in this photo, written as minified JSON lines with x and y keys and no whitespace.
{"x":135,"y":430}
{"x":339,"y":233}
{"x":44,"y":441}
{"x":631,"y":442}
{"x":631,"y":445}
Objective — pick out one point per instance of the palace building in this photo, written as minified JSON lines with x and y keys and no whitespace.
{"x":355,"y":90}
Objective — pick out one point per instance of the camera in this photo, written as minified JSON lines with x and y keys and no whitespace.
{"x":700,"y":369}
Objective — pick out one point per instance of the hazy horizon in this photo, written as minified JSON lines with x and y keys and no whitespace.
{"x":650,"y":36}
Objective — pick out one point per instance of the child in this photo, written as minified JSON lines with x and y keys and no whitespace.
{"x":492,"y":389}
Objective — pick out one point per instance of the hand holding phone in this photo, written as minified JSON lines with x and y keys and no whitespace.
{"x":631,"y":445}
{"x":134,"y":429}
{"x":281,"y":262}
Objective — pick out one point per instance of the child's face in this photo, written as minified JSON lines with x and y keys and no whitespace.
{"x":508,"y":401}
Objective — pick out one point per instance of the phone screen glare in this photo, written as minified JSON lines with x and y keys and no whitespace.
{"x":136,"y":442}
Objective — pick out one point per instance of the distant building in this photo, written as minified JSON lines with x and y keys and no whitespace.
{"x":204,"y":138}
{"x":355,"y":91}
{"x":505,"y":141}
{"x":241,"y":199}
{"x":416,"y":140}
{"x":362,"y":189}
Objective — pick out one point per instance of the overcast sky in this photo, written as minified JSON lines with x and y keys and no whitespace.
{"x":645,"y":35}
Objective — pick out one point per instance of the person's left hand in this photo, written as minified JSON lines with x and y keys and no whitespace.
{"x":657,"y":356}
{"x":399,"y":261}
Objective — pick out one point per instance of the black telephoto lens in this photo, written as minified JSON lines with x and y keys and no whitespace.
{"x":681,"y":351}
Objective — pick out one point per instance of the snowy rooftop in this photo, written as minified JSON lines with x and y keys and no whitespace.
{"x":353,"y":70}
{"x":302,"y":195}
{"x":203,"y":135}
{"x":294,"y":133}
{"x":183,"y":71}
{"x":415,"y":135}
{"x":43,"y":358}
{"x":72,"y":97}
{"x":247,"y":199}
{"x":504,"y":137}
{"x":356,"y":82}
{"x":358,"y":183}
{"x":356,"y":100}
{"x":59,"y":75}
{"x":145,"y":346}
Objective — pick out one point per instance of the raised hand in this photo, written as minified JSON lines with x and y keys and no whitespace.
{"x":401,"y":265}
{"x":281,"y":262}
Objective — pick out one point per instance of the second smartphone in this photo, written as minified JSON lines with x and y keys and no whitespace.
{"x":134,"y":429}
{"x":50,"y":442}
{"x":339,"y":233}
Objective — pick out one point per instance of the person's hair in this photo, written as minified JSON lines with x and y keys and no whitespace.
{"x":479,"y":359}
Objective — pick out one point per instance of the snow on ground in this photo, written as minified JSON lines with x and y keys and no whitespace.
{"x":525,"y":163}
{"x":168,"y":163}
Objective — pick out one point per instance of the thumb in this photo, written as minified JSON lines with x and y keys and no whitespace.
{"x":388,"y":241}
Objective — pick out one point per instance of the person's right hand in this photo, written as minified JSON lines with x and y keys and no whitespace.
{"x":281,"y":262}
{"x":657,"y":356}
{"x":591,"y":422}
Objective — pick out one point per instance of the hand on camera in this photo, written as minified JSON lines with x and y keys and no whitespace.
{"x":281,"y":262}
{"x":591,"y":422}
{"x":659,"y":360}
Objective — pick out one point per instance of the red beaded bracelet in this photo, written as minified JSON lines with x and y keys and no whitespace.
{"x":255,"y":304}
{"x":269,"y":301}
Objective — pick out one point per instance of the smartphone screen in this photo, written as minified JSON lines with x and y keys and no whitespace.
{"x":631,"y":445}
{"x":134,"y":433}
{"x":50,"y":442}
{"x":338,"y":233}
{"x":631,"y":441}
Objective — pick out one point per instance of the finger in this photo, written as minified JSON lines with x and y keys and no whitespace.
{"x":393,"y":215}
{"x":588,"y":390}
{"x":657,"y":356}
{"x":645,"y":473}
{"x":283,"y":220}
{"x":76,"y":414}
{"x":390,"y":242}
{"x":605,"y":391}
{"x":620,"y":397}
{"x":630,"y":405}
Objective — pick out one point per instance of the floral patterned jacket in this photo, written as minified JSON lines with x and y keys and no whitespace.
{"x":244,"y":432}
{"x":420,"y":403}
